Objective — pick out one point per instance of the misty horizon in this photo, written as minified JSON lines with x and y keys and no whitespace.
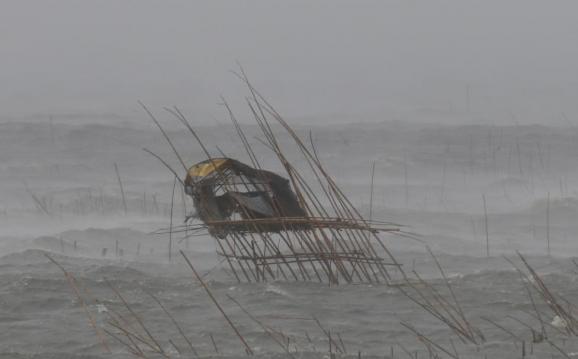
{"x":488,"y":62}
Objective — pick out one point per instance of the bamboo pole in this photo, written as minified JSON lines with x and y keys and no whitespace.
{"x":121,"y":189}
{"x":486,"y":226}
{"x":371,"y":191}
{"x":405,"y":181}
{"x":548,"y":223}
{"x":214,"y":300}
{"x":171,"y":220}
{"x":72,"y":283}
{"x":176,"y":324}
{"x":153,"y":118}
{"x":344,"y":251}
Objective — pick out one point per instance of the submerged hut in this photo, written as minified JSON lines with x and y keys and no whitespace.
{"x":231,"y":196}
{"x":270,"y":227}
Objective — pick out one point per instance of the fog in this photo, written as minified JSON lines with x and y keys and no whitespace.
{"x":453,"y":122}
{"x":453,"y":61}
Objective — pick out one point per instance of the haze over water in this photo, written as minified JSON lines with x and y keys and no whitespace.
{"x":453,"y":101}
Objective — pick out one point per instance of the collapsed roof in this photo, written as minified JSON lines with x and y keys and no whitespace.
{"x":229,"y":195}
{"x":268,"y":227}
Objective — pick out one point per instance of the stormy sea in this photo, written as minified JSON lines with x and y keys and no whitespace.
{"x":80,"y":202}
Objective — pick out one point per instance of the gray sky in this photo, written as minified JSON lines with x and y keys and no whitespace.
{"x":371,"y":59}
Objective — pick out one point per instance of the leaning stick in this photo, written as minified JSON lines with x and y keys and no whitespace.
{"x":165,"y":164}
{"x":269,"y":331}
{"x":504,"y":329}
{"x":133,"y":349}
{"x":132,"y":337}
{"x":457,"y":306}
{"x":210,"y":294}
{"x":174,"y":322}
{"x":566,"y":355}
{"x":526,"y":286}
{"x":548,"y":223}
{"x":121,"y":189}
{"x":164,"y":134}
{"x":550,"y":299}
{"x":371,"y":191}
{"x":428,"y":341}
{"x":214,"y":343}
{"x":38,"y":202}
{"x":328,"y":334}
{"x":486,"y":226}
{"x":171,"y":220}
{"x":72,"y":282}
{"x":158,"y":348}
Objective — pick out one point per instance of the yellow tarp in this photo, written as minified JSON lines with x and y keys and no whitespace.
{"x":206,"y":168}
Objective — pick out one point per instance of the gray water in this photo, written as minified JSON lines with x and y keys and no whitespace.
{"x":428,"y":178}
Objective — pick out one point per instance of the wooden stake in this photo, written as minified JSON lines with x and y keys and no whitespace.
{"x":210,"y":294}
{"x":486,"y":226}
{"x":214,"y":343}
{"x":174,"y":322}
{"x":39,"y":203}
{"x":548,"y":223}
{"x":51,"y":130}
{"x":371,"y":191}
{"x":405,"y":181}
{"x":73,"y":284}
{"x":121,"y":189}
{"x":468,"y":98}
{"x":171,"y":220}
{"x":518,"y":152}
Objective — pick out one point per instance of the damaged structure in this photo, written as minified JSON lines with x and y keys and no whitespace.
{"x":290,"y":227}
{"x":229,"y":196}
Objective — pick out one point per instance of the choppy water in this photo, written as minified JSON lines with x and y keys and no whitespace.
{"x":41,"y":317}
{"x":88,"y":234}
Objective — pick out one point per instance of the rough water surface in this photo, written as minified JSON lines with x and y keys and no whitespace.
{"x":429,"y":178}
